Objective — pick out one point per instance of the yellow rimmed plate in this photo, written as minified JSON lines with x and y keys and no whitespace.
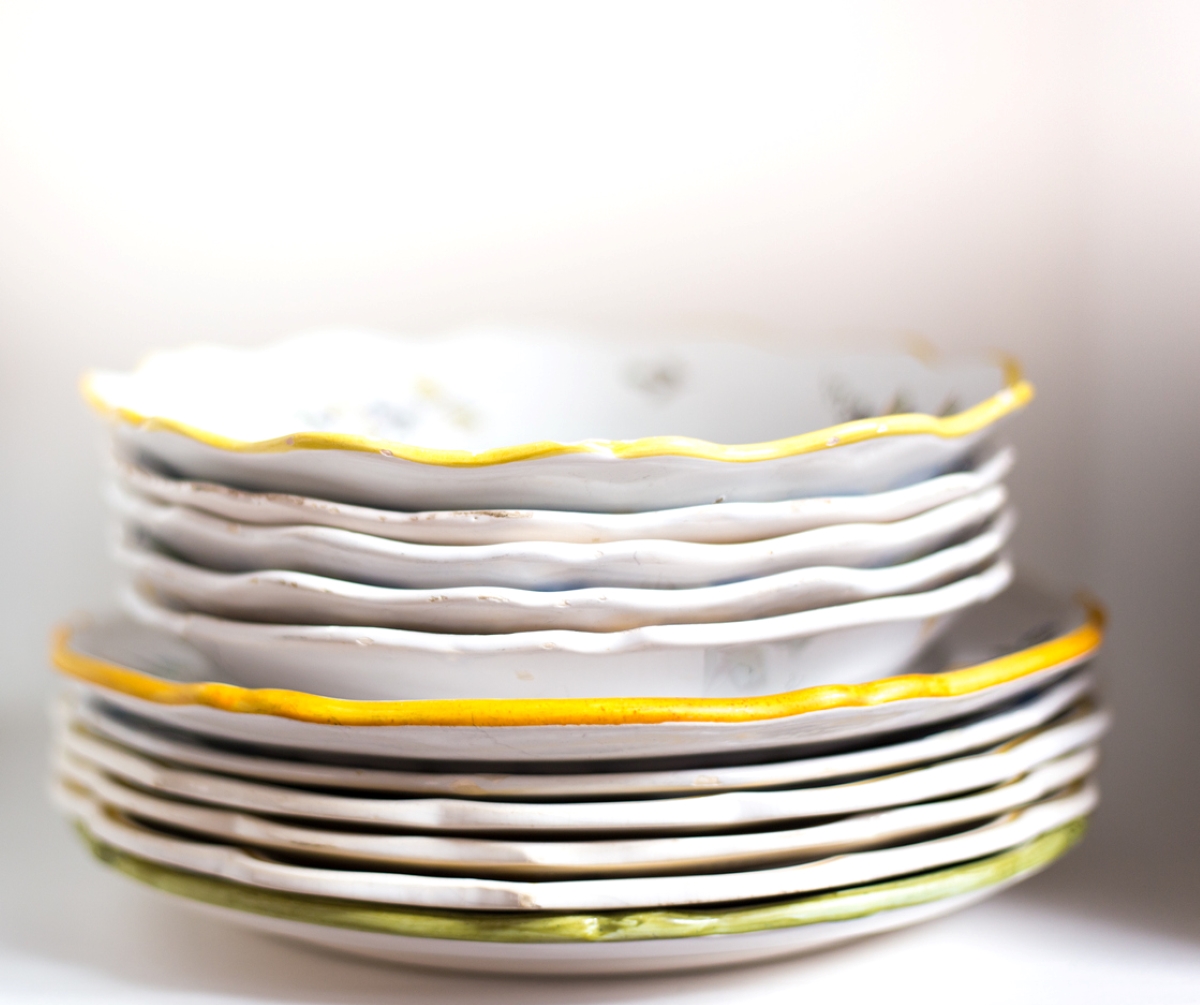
{"x":171,"y":747}
{"x":1017,"y":643}
{"x":503,"y":420}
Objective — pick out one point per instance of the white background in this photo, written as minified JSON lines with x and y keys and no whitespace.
{"x":1020,"y":176}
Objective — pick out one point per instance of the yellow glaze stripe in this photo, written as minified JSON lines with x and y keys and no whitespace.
{"x":1016,"y":394}
{"x":1066,"y":649}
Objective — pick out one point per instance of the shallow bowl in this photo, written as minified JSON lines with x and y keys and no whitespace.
{"x":282,"y":597}
{"x":845,"y":644}
{"x":719,"y":523}
{"x":499,"y":420}
{"x":218,"y":543}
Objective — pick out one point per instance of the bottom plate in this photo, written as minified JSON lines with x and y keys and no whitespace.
{"x":602,"y":942}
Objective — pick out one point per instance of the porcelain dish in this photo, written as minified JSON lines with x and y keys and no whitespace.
{"x":480,"y":894}
{"x":720,"y":523}
{"x":550,"y":565}
{"x":550,"y":859}
{"x":492,"y":420}
{"x":599,"y":943}
{"x":510,"y":652}
{"x":693,"y":814}
{"x":174,"y":747}
{"x":845,"y":644}
{"x":1015,"y":645}
{"x":301,"y":598}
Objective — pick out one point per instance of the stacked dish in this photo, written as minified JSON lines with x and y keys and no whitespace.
{"x":584,"y":705}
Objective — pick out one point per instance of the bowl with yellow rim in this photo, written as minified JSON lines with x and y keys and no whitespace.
{"x":1023,"y":640}
{"x":496,"y":419}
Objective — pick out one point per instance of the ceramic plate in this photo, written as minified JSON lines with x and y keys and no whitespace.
{"x":545,"y":565}
{"x":542,"y":859}
{"x":300,"y":598}
{"x":669,"y":815}
{"x":188,"y":750}
{"x":846,"y":644}
{"x":417,"y":424}
{"x":1015,"y":645}
{"x":721,"y":523}
{"x":477,"y":894}
{"x":606,"y":943}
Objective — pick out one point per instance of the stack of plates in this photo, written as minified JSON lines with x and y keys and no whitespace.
{"x":387,"y":684}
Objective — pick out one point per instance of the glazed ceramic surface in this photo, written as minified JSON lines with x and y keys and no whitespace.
{"x":543,"y":859}
{"x":1023,"y":641}
{"x":669,"y":815}
{"x":608,"y":943}
{"x":478,"y":894}
{"x":188,"y":750}
{"x":552,"y":565}
{"x":300,"y":598}
{"x":721,"y":523}
{"x":600,"y":959}
{"x":492,"y":420}
{"x":846,"y":644}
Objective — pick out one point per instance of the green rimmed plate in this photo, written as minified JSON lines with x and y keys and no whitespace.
{"x":602,"y":942}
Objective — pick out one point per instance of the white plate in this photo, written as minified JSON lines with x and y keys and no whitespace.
{"x":847,"y":644}
{"x":301,"y":598}
{"x":545,"y":565}
{"x":542,"y":859}
{"x":669,"y":815}
{"x":414,"y":424}
{"x":722,"y":523}
{"x":996,"y":652}
{"x":477,"y":894}
{"x":187,"y":750}
{"x":602,"y":943}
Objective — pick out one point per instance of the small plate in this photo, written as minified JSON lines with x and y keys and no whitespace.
{"x":605,"y":943}
{"x":174,"y":747}
{"x":721,"y":523}
{"x":301,"y":598}
{"x":728,"y":811}
{"x":542,"y":859}
{"x":996,"y":652}
{"x":545,"y":565}
{"x":477,"y":894}
{"x":497,"y":420}
{"x":846,"y":644}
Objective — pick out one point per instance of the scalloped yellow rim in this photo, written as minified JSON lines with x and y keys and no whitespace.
{"x":1065,"y":650}
{"x":1016,"y":393}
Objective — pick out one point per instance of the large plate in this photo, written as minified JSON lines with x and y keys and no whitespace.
{"x":496,"y":420}
{"x":478,"y":894}
{"x":1015,"y":645}
{"x":546,"y":565}
{"x":599,"y":943}
{"x":557,"y":859}
{"x":701,"y":814}
{"x":720,"y":523}
{"x":173,"y":746}
{"x":846,"y":644}
{"x":286,"y":597}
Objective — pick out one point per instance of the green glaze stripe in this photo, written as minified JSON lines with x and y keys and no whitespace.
{"x":608,"y":926}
